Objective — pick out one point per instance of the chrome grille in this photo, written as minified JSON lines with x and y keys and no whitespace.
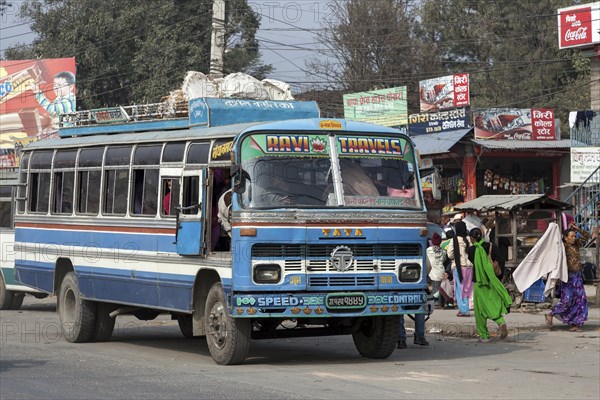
{"x":303,"y":251}
{"x":341,"y":280}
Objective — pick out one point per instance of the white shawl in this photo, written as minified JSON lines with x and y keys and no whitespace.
{"x":546,"y":257}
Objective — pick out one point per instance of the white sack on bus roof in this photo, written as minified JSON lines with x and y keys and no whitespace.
{"x":278,"y":90}
{"x":243,"y":86}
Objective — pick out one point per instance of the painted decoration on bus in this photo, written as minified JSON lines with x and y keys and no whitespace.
{"x":221,"y":150}
{"x":284,"y":144}
{"x":444,"y":93}
{"x":386,"y":107}
{"x":383,"y":146}
{"x":579,"y":26}
{"x":33,"y":93}
{"x":316,"y":145}
{"x":515,"y":124}
{"x":437,"y":122}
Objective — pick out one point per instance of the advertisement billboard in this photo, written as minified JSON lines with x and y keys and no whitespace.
{"x":33,"y":93}
{"x":436,"y":122}
{"x":444,"y":93}
{"x":515,"y":124}
{"x":386,"y":107}
{"x":579,"y":26}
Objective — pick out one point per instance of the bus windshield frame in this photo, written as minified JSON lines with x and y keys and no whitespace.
{"x":328,"y":170}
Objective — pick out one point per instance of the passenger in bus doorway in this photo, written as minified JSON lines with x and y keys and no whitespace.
{"x":167,"y":199}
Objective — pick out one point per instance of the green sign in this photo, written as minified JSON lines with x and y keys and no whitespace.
{"x":386,"y":107}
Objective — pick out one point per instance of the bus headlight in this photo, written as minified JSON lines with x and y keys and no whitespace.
{"x":409,"y":273}
{"x":266,"y":273}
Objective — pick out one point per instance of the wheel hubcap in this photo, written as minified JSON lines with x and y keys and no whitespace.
{"x":217,"y":325}
{"x":69,"y":309}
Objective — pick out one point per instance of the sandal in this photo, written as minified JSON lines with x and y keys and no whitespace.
{"x":575,"y":329}
{"x":503,"y":331}
{"x":549,"y":320}
{"x":462,"y":315}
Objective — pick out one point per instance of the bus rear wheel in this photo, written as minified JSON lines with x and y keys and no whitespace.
{"x":9,"y":300}
{"x":228,"y":338}
{"x":77,"y":316}
{"x":376,"y":337}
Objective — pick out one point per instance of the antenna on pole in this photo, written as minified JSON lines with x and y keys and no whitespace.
{"x":217,"y":44}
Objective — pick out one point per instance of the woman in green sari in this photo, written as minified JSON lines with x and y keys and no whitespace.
{"x":490,"y":298}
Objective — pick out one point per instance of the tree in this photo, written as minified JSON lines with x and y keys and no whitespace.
{"x":511,"y":52}
{"x":134,"y":52}
{"x":509,"y":49}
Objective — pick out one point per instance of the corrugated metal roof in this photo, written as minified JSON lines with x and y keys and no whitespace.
{"x":524,"y":144}
{"x":508,"y":202}
{"x":436,"y":143}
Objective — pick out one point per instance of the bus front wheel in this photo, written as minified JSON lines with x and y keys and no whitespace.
{"x":376,"y":337}
{"x":9,"y":300}
{"x":228,"y":338}
{"x":77,"y":316}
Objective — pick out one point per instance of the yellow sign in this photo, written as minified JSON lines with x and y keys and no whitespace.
{"x":342,"y":232}
{"x":330,"y":124}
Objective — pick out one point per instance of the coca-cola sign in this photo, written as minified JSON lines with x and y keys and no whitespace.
{"x":579,"y":26}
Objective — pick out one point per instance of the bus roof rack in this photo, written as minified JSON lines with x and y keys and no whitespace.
{"x":204,"y":111}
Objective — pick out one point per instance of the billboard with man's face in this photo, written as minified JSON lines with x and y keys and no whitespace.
{"x":33,"y":94}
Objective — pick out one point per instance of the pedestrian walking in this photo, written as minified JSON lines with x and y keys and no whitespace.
{"x":572,"y":309}
{"x":436,"y":256}
{"x":419,"y":336}
{"x":462,"y":269}
{"x":490,"y":298}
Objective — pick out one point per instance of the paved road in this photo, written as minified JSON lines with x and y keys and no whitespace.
{"x":151,"y":360}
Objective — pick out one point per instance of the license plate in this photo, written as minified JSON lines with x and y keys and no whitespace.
{"x":346,"y":301}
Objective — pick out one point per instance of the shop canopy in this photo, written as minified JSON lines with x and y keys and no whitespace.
{"x":438,"y":143}
{"x":523,"y":144}
{"x":511,"y":202}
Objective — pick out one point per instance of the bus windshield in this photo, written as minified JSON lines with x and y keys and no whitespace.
{"x":304,"y":179}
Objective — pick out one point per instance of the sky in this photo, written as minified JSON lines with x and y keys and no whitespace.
{"x":288,"y":34}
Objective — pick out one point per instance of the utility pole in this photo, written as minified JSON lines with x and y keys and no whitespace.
{"x":217,"y":44}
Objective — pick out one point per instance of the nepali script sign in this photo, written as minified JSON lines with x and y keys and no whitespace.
{"x":437,"y":122}
{"x":584,"y":161}
{"x":444,"y":93}
{"x":579,"y":26}
{"x":515,"y":124}
{"x":386,"y":107}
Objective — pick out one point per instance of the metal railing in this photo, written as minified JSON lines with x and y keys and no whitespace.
{"x":586,"y":200}
{"x":143,"y":112}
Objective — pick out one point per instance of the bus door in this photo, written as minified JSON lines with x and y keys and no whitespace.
{"x":191,"y":220}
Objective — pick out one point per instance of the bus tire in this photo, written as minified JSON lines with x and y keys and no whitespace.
{"x":9,"y":300}
{"x":228,"y":338}
{"x":376,"y":337}
{"x":105,"y":324}
{"x":77,"y":316}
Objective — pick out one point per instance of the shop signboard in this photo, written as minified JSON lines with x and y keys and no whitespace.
{"x":437,"y":122}
{"x":515,"y":124}
{"x":584,"y":161}
{"x":579,"y":26}
{"x":386,"y":107}
{"x":444,"y":93}
{"x":33,"y":93}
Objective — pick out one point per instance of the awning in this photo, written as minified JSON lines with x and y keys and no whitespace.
{"x":524,"y":144}
{"x":437,"y":143}
{"x":509,"y":202}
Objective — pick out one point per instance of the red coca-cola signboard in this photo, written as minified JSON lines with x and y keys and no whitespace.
{"x":579,"y":26}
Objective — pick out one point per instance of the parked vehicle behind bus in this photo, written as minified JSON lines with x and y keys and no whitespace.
{"x":321,"y":225}
{"x":11,"y":292}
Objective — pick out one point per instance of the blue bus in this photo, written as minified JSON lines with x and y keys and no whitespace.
{"x":244,"y":220}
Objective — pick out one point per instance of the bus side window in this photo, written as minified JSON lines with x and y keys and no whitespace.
{"x":170,"y":196}
{"x":145,"y":191}
{"x":191,"y":193}
{"x":5,"y":207}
